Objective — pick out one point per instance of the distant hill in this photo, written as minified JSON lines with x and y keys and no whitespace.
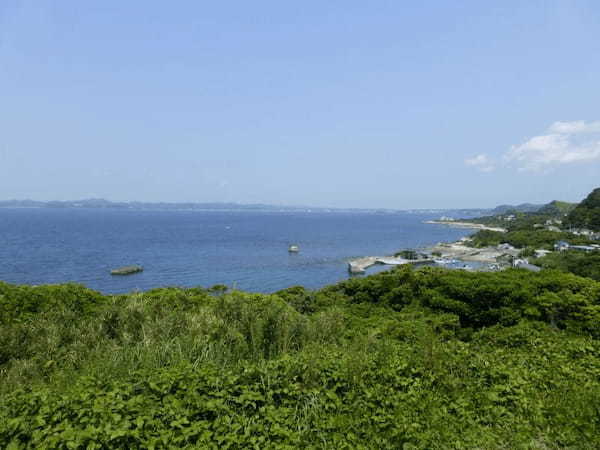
{"x":587,"y":213}
{"x":100,"y":203}
{"x":523,"y":207}
{"x":557,"y":208}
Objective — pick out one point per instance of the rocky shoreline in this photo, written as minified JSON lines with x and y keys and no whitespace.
{"x":360,"y":265}
{"x":460,"y":250}
{"x":445,"y":251}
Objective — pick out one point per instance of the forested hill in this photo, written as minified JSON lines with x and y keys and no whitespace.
{"x":554,"y":208}
{"x":523,"y":207}
{"x":557,"y":208}
{"x":587,"y":213}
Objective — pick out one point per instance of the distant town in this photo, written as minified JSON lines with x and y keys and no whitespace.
{"x":223,"y":206}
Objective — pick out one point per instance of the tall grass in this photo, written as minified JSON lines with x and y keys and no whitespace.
{"x":400,"y":360}
{"x":154,"y":331}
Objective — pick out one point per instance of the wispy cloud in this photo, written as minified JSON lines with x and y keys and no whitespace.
{"x":565,"y":143}
{"x":481,"y":162}
{"x":575,"y":127}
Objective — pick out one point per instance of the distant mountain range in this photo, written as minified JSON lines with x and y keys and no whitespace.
{"x":586,"y":214}
{"x":102,"y":203}
{"x":135,"y":205}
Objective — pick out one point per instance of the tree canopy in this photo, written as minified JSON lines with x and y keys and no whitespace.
{"x":428,"y":358}
{"x":587,"y":213}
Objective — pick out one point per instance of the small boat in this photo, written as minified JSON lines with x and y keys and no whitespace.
{"x":294,"y":249}
{"x":441,"y":261}
{"x":127,"y":270}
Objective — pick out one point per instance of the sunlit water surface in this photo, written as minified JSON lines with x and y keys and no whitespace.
{"x":248,"y":250}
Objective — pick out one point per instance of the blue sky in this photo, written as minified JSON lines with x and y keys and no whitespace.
{"x":343,"y":103}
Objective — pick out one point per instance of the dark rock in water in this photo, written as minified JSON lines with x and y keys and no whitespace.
{"x":127,"y":270}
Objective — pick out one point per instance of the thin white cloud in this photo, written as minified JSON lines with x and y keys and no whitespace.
{"x":565,"y":143}
{"x":481,"y":162}
{"x":575,"y":127}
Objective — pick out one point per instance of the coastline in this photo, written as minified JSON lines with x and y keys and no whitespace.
{"x":360,"y":265}
{"x":474,"y":226}
{"x":461,"y":251}
{"x":457,"y":250}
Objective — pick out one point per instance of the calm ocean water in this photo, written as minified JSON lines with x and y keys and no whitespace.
{"x":247,"y":250}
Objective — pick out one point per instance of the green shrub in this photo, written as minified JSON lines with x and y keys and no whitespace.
{"x":427,"y":358}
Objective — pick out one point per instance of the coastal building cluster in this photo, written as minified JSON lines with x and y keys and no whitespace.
{"x":463,"y":255}
{"x":562,"y":246}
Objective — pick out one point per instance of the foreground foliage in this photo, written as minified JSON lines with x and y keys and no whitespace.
{"x":403,"y":359}
{"x":539,"y":239}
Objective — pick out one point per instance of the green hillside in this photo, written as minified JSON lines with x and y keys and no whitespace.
{"x":587,"y":213}
{"x":557,"y":208}
{"x":511,"y":209}
{"x":407,"y":359}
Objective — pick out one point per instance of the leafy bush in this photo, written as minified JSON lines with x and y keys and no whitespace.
{"x":527,"y":252}
{"x":427,"y":358}
{"x":573,"y":261}
{"x":407,"y":254}
{"x":19,"y":302}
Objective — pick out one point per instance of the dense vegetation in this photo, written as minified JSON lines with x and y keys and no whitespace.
{"x":525,"y":215}
{"x":577,"y":262}
{"x":587,"y":213}
{"x":404,"y":359}
{"x":540,"y":239}
{"x":512,"y":209}
{"x":556,"y":208}
{"x":528,"y":217}
{"x":407,"y":254}
{"x":520,"y":221}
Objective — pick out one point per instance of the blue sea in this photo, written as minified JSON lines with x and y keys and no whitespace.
{"x":243,"y":249}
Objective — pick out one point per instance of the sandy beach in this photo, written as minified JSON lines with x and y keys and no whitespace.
{"x":475,"y":226}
